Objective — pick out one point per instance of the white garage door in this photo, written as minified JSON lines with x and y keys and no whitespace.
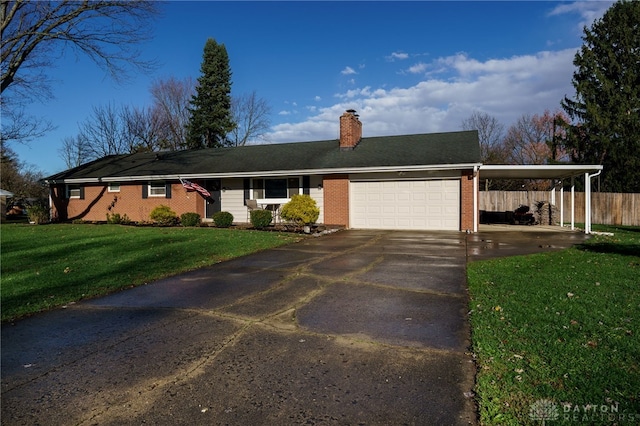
{"x":406,"y":204}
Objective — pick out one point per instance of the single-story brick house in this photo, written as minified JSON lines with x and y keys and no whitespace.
{"x":425,"y":181}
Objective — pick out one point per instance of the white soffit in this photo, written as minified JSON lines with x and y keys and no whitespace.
{"x":499,"y":171}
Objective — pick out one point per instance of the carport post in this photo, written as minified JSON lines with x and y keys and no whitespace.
{"x":573,"y":200}
{"x":587,"y":204}
{"x":587,"y":190}
{"x":561,"y":204}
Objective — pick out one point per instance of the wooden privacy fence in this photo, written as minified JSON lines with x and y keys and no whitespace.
{"x":607,"y":208}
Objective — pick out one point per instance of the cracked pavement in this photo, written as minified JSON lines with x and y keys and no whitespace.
{"x":357,"y":327}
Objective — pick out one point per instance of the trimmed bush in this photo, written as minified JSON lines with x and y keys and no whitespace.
{"x":301,"y":210}
{"x":260,"y":218}
{"x":118,"y":219}
{"x":223,"y":219}
{"x":163,"y":215}
{"x":190,"y":219}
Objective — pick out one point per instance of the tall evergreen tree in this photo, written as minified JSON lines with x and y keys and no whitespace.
{"x":606,"y":108}
{"x":211,"y":121}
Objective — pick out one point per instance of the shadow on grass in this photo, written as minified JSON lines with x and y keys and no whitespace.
{"x":612,"y":248}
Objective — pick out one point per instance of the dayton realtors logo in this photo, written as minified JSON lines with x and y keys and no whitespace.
{"x":546,"y":410}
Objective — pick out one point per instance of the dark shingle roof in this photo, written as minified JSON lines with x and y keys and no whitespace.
{"x":375,"y":152}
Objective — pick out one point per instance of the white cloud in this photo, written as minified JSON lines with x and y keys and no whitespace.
{"x":397,"y":56}
{"x":588,"y":11}
{"x":418,"y":68}
{"x":505,"y":88}
{"x":348,"y":71}
{"x":317,"y":98}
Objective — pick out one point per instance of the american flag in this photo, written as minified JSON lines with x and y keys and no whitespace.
{"x":190,"y":186}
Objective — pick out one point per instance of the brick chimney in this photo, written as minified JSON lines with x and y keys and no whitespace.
{"x":350,"y":130}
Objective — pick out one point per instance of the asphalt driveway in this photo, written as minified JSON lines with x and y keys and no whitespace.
{"x":357,"y":327}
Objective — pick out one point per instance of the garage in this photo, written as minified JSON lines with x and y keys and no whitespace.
{"x":406,"y":204}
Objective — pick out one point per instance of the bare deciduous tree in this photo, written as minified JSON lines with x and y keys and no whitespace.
{"x":105,"y":132}
{"x":145,"y":129}
{"x":19,"y":126}
{"x":113,"y":130}
{"x":35,"y":33}
{"x":251,"y":115}
{"x":171,"y":99}
{"x":74,"y":151}
{"x":490,"y":134}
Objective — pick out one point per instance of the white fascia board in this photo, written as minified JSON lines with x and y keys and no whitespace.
{"x":581,"y":167}
{"x":273,"y":173}
{"x":536,"y":171}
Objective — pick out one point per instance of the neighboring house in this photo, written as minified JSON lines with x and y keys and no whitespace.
{"x":4,"y":196}
{"x":426,"y":181}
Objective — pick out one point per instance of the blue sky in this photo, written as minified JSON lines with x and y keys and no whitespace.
{"x":406,"y":67}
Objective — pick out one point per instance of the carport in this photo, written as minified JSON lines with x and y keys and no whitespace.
{"x":556,"y":173}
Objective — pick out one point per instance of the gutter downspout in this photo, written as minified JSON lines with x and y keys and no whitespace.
{"x":587,"y":207}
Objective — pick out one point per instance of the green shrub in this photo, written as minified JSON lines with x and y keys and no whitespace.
{"x":260,"y":218}
{"x":190,"y":219}
{"x":302,"y":210}
{"x":38,"y":214}
{"x":117,"y":219}
{"x":163,"y":215}
{"x":223,"y":219}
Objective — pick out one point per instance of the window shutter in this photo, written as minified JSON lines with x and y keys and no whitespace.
{"x":167,"y":190}
{"x":305,"y":184}
{"x":64,"y":192}
{"x":246,"y":183}
{"x":145,"y":190}
{"x":82,"y":192}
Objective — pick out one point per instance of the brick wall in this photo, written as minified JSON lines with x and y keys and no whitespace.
{"x":336,"y":199}
{"x":466,"y":201}
{"x":98,"y":201}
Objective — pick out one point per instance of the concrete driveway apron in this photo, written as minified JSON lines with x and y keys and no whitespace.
{"x":357,"y":327}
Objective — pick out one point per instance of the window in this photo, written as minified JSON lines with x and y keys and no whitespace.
{"x":276,"y":187}
{"x":258,"y":188}
{"x":293,"y":186}
{"x":114,"y":187}
{"x":157,"y":189}
{"x":74,"y":191}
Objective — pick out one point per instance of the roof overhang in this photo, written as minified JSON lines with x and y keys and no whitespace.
{"x":273,"y":173}
{"x":554,"y":171}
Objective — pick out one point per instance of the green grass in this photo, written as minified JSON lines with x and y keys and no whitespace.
{"x":51,"y":265}
{"x":562,"y":326}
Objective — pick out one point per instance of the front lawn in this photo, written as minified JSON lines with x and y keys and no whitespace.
{"x":44,"y":266}
{"x":557,"y":335}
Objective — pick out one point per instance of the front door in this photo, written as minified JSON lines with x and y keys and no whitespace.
{"x":213,"y":204}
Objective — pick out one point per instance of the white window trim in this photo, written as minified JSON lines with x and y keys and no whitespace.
{"x":110,"y":187}
{"x":164,"y":190}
